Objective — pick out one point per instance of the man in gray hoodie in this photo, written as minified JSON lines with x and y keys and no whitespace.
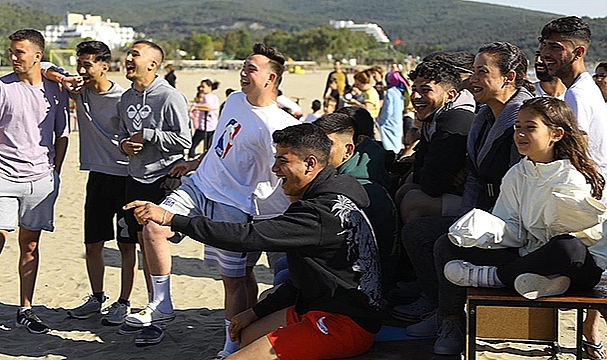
{"x":154,"y":130}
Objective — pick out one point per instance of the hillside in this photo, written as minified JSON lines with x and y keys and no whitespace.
{"x":452,"y":24}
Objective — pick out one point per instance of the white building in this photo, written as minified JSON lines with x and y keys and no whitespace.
{"x":78,"y":26}
{"x":370,"y":28}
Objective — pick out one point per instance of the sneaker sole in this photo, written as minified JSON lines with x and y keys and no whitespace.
{"x":442,"y":350}
{"x":533,"y":286}
{"x":149,"y":341}
{"x":32,"y":331}
{"x":142,"y":325}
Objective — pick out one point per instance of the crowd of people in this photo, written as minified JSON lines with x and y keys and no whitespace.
{"x":492,"y":181}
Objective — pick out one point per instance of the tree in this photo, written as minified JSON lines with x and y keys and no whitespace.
{"x":238,"y":43}
{"x":200,"y":46}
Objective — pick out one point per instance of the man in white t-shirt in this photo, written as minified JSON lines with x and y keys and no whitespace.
{"x":34,"y":126}
{"x":234,"y":182}
{"x":563,"y":45}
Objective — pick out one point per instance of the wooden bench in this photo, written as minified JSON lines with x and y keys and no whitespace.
{"x":594,"y":299}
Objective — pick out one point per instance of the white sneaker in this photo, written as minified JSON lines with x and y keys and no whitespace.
{"x":148,"y":316}
{"x":463,"y":273}
{"x":91,"y":307}
{"x":533,"y":286}
{"x":116,"y":314}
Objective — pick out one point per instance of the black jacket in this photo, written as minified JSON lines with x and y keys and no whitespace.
{"x":330,"y":247}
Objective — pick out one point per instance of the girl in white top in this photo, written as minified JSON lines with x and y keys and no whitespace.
{"x":548,"y":211}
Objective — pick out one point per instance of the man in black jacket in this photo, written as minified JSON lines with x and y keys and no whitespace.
{"x":329,"y":307}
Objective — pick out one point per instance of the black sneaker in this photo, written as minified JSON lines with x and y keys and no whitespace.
{"x":31,"y":322}
{"x":149,"y":335}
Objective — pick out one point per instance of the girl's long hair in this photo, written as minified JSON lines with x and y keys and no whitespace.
{"x":556,"y":113}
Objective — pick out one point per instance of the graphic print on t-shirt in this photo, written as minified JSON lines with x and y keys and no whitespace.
{"x":226,"y":140}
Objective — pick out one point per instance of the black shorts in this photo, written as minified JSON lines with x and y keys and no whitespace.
{"x":105,"y":197}
{"x":154,"y":192}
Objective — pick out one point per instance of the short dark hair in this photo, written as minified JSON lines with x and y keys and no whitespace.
{"x":305,"y":140}
{"x":97,"y":48}
{"x":336,"y":123}
{"x":210,"y":83}
{"x":438,"y":71}
{"x":153,"y":46}
{"x":570,"y":27}
{"x":31,"y":35}
{"x":602,"y":65}
{"x":362,"y":119}
{"x":316,"y":105}
{"x":277,"y":59}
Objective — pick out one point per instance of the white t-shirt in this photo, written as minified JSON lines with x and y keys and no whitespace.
{"x":588,"y":105}
{"x":237,"y":170}
{"x":539,"y":92}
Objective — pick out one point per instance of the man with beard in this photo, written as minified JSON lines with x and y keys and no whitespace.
{"x":546,"y":84}
{"x":563,"y":45}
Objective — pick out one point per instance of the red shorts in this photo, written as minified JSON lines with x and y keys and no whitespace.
{"x":319,"y":335}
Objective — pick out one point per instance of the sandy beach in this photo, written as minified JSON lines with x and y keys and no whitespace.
{"x":197,"y":290}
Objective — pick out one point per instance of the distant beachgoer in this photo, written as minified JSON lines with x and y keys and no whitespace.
{"x":227,"y":92}
{"x":204,"y":113}
{"x":377,"y":72}
{"x":390,"y":117}
{"x":316,"y":112}
{"x":170,"y":76}
{"x":340,"y":76}
{"x":600,"y":78}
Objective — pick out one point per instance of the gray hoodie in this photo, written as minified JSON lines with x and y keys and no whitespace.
{"x":162,"y":113}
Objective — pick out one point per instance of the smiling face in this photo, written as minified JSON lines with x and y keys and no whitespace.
{"x":541,"y":71}
{"x":487,"y":83}
{"x":140,"y":62}
{"x":90,"y":69}
{"x":559,"y":54}
{"x":534,"y":138}
{"x":256,"y":75}
{"x":24,"y":56}
{"x":293,"y":171}
{"x":427,"y":96}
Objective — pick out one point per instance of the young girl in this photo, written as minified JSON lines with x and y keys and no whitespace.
{"x":545,"y":234}
{"x":204,"y":113}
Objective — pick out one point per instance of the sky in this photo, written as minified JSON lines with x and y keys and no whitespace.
{"x":590,"y":8}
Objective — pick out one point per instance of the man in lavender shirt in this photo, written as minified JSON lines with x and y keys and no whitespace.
{"x":33,"y":140}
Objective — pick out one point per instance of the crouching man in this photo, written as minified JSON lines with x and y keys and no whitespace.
{"x":328,"y":309}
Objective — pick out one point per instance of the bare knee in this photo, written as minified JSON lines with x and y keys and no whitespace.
{"x":153,"y":232}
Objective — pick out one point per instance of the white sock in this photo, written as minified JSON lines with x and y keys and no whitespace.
{"x":162,"y":293}
{"x":23,"y":308}
{"x":229,"y":346}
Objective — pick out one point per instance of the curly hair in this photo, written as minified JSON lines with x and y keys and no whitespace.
{"x":439,"y":71}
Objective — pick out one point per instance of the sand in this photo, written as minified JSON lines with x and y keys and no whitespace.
{"x":197,"y":291}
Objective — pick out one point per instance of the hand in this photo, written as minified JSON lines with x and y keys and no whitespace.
{"x":131,"y":148}
{"x":73,"y":84}
{"x":146,"y":211}
{"x":239,"y":322}
{"x":460,"y":178}
{"x":137,"y":137}
{"x":184,"y":168}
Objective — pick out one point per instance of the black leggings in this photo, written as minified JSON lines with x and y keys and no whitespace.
{"x":198,"y":136}
{"x":563,"y":254}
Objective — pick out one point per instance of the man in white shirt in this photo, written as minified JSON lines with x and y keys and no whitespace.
{"x":234,"y":182}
